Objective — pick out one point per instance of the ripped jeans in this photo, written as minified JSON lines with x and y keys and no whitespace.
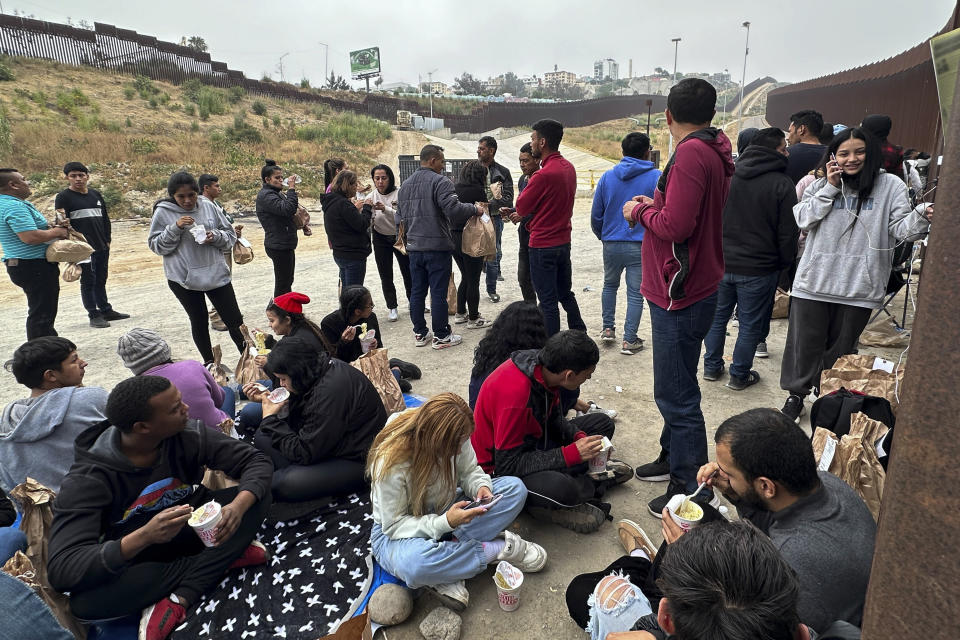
{"x":615,"y":605}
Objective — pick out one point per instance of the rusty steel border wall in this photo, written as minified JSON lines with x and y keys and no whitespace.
{"x":125,"y":51}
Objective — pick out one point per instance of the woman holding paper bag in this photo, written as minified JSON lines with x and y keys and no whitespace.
{"x":470,"y":189}
{"x":191,"y":236}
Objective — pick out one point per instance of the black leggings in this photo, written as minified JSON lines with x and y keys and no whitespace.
{"x":383,"y":253}
{"x":183,"y":566}
{"x":284,"y":262}
{"x":471,"y":270}
{"x":224,"y":301}
{"x":297,"y":483}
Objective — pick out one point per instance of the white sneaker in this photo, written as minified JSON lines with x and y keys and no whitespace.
{"x":479,"y":323}
{"x":394,"y":315}
{"x":595,"y":408}
{"x":422,"y":340}
{"x":453,"y":595}
{"x":524,"y":555}
{"x":451,"y":340}
{"x":460,"y":318}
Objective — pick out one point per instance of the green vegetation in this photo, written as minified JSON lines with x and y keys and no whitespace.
{"x":6,"y":73}
{"x":259,"y":108}
{"x":242,"y":131}
{"x":346,"y":130}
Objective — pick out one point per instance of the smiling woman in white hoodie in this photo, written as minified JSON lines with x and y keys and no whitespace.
{"x":191,"y":235}
{"x":855,"y":218}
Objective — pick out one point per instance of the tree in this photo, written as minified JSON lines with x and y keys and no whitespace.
{"x":512,"y":84}
{"x":378,"y":81}
{"x":304,"y":83}
{"x":468,"y":85}
{"x":660,"y":71}
{"x":336,"y":83}
{"x":196,"y":43}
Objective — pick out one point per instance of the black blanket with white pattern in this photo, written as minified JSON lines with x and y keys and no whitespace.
{"x":317,"y":571}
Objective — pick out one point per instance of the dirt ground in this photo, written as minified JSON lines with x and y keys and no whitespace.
{"x":624,"y":383}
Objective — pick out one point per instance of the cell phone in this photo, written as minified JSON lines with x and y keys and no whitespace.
{"x":488,"y":502}
{"x":834,"y":158}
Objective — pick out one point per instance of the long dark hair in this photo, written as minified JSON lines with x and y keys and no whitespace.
{"x":298,"y":360}
{"x":330,"y":168}
{"x":864,"y":181}
{"x":391,"y":179}
{"x":473,"y":173}
{"x":298,"y":320}
{"x":519,"y":326}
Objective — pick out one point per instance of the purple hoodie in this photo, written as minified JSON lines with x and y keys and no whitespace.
{"x":200,"y":391}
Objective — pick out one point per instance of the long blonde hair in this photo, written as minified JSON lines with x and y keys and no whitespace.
{"x":427,"y":438}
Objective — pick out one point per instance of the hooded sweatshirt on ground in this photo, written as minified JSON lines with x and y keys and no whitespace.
{"x":105,"y":497}
{"x":194,"y":266}
{"x":37,"y":435}
{"x":683,"y":248}
{"x":631,"y":177}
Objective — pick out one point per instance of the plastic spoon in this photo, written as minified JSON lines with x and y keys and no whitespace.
{"x":683,"y":505}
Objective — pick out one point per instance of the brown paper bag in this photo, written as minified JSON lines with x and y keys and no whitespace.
{"x":781,"y":304}
{"x":72,"y":249}
{"x":479,"y":237}
{"x":401,"y":242}
{"x":247,"y":370}
{"x":72,"y":272}
{"x":242,"y":251}
{"x":36,"y":501}
{"x":451,"y":296}
{"x":855,"y":372}
{"x":218,"y":371}
{"x":376,"y":366}
{"x":356,"y":628}
{"x":853,"y":458}
{"x":215,"y":479}
{"x":883,"y":333}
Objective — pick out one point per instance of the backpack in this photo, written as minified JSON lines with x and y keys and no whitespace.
{"x":833,"y":411}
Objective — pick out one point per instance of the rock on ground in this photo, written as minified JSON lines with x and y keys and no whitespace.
{"x":441,"y":624}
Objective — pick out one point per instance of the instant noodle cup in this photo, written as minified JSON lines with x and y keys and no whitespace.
{"x":278,"y":395}
{"x":687,"y":514}
{"x":508,"y":579}
{"x":599,"y":463}
{"x":204,"y":521}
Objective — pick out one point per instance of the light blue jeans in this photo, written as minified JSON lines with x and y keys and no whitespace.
{"x":617,"y":258}
{"x":620,"y":613}
{"x":33,"y":619}
{"x":421,"y":562}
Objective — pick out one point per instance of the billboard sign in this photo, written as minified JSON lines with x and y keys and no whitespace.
{"x":365,"y":62}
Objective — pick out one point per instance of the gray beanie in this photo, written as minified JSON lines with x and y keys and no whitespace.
{"x":141,"y":349}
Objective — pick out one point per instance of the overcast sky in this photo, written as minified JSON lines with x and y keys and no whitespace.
{"x":789,"y":40}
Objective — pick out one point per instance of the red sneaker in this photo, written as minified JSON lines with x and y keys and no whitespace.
{"x":253,"y":555}
{"x":159,"y":621}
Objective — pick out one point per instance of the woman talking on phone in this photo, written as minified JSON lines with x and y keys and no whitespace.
{"x":855,"y":217}
{"x":276,"y":211}
{"x":424,"y":474}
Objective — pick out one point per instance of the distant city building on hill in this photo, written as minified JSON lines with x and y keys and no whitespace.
{"x":556,"y":78}
{"x":606,"y":69}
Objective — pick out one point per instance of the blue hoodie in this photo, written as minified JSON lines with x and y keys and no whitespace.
{"x":37,"y":435}
{"x":631,"y":177}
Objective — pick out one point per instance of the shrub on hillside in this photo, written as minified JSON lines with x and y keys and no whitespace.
{"x":112,"y":196}
{"x":189,"y":109}
{"x":346,"y":129}
{"x":144,"y":87}
{"x":259,"y":108}
{"x":6,"y":133}
{"x":276,"y":121}
{"x":242,"y":131}
{"x":236,"y":94}
{"x":6,"y":73}
{"x":129,"y":93}
{"x":142,"y":146}
{"x":212,"y":100}
{"x":69,"y":101}
{"x":194,"y":126}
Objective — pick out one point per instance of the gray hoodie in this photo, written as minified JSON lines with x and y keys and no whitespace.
{"x":37,"y":434}
{"x":194,"y":266}
{"x":847,"y":260}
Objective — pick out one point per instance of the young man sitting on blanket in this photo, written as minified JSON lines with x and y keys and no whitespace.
{"x":120,"y":541}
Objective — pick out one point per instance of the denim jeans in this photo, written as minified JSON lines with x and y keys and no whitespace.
{"x":677,"y":338}
{"x":11,"y":541}
{"x":93,"y":283}
{"x":33,"y":619}
{"x":753,"y":297}
{"x":493,"y":268}
{"x":352,"y":271}
{"x":430,"y":269}
{"x":422,"y":562}
{"x":617,"y":258}
{"x":552,"y":276}
{"x":229,"y":405}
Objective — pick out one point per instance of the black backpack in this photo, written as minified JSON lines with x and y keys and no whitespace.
{"x":833,"y":411}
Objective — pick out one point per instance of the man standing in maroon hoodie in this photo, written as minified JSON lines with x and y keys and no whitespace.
{"x":682,"y":268}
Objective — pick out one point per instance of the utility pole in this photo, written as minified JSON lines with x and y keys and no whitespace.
{"x":281,"y":65}
{"x":430,"y":81}
{"x":326,"y":56}
{"x":676,"y":49}
{"x":744,"y":79}
{"x":725,"y":96}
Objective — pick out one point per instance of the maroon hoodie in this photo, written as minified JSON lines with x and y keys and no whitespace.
{"x":683,"y":244}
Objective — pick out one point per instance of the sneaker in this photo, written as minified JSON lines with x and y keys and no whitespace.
{"x":451,"y":340}
{"x":393,"y":316}
{"x":524,"y":555}
{"x":255,"y":554}
{"x":115,"y":315}
{"x":405,"y":386}
{"x":595,"y":408}
{"x":453,"y":595}
{"x":99,"y":322}
{"x":739,"y":384}
{"x":459,"y":318}
{"x":630,"y":348}
{"x":216,"y":323}
{"x":633,"y":537}
{"x":500,"y":279}
{"x":422,"y":339}
{"x":713,"y":374}
{"x":621,"y":471}
{"x":479,"y":323}
{"x":583,"y":518}
{"x":408,"y":370}
{"x":608,"y":335}
{"x":656,"y":471}
{"x":159,"y":621}
{"x":793,"y":408}
{"x":761,"y":351}
{"x":494,"y":297}
{"x":658,"y":504}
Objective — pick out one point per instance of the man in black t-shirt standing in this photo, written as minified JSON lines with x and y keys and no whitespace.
{"x":803,"y":140}
{"x":87,"y":212}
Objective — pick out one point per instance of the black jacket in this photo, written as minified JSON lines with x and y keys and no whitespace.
{"x":7,"y":513}
{"x":759,"y":231}
{"x":104,"y":496}
{"x":275,"y":213}
{"x":333,"y":327}
{"x":499,"y":173}
{"x":347,"y":229}
{"x":336,"y":418}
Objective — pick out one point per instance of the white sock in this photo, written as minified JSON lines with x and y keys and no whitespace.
{"x":639,"y":553}
{"x":492,"y":549}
